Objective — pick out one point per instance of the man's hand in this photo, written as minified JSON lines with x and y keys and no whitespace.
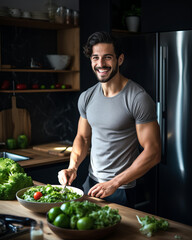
{"x":67,"y":176}
{"x":102,"y":190}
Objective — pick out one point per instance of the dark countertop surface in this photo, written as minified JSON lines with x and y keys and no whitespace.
{"x":37,"y":158}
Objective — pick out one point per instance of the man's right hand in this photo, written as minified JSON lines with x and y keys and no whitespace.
{"x":67,"y":176}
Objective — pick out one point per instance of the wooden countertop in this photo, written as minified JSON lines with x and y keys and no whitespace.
{"x":38,"y":158}
{"x":128,"y":228}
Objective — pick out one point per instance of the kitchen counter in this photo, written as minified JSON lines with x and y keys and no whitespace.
{"x":38,"y":158}
{"x":128,"y":228}
{"x":44,"y":167}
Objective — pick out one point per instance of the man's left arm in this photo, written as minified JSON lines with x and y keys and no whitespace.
{"x":149,"y":138}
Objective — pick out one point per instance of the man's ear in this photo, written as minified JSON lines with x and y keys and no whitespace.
{"x":121,"y":59}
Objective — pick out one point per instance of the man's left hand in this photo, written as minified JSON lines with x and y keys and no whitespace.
{"x":102,"y":190}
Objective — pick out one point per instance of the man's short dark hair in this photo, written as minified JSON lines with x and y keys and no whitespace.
{"x":101,"y":37}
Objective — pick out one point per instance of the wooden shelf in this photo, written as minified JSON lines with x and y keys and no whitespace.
{"x":39,"y":90}
{"x":32,"y":23}
{"x":36,"y":70}
{"x":124,"y":32}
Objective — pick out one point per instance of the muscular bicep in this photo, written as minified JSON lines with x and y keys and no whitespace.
{"x":149,"y":135}
{"x":84,"y":129}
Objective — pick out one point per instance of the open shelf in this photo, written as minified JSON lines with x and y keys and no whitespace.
{"x":36,"y":70}
{"x":32,"y":23}
{"x":39,"y":90}
{"x":67,"y":42}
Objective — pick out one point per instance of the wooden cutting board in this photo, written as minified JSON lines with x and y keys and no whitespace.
{"x":54,"y":148}
{"x":6,"y":126}
{"x":14,"y":122}
{"x":21,"y":121}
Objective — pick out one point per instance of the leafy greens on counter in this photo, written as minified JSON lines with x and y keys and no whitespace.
{"x":150,"y":225}
{"x":12,"y":179}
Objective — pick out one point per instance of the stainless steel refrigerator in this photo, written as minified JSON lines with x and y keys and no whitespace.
{"x":162,"y":64}
{"x":175,"y":118}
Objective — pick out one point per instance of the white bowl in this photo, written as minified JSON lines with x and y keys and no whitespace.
{"x":59,"y":62}
{"x":44,"y":207}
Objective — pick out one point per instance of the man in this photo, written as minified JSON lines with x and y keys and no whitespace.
{"x":116,"y":116}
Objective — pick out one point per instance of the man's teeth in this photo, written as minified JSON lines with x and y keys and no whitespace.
{"x":101,"y":71}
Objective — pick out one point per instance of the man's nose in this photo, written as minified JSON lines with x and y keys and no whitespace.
{"x":101,"y":62}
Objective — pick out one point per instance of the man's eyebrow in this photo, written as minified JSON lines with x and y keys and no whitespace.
{"x":107,"y":54}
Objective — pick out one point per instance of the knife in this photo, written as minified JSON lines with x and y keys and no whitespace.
{"x":58,"y":153}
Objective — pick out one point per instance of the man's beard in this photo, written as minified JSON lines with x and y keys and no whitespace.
{"x":113,"y":73}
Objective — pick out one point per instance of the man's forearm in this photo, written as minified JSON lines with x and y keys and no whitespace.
{"x":79,"y":151}
{"x":144,"y":162}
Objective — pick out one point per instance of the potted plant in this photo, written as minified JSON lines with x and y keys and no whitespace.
{"x":132,"y":18}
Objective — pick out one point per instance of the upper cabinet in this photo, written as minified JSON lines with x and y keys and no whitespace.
{"x":24,"y":45}
{"x":166,"y":15}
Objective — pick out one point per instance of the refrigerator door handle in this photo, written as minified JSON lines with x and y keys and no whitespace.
{"x":162,"y":94}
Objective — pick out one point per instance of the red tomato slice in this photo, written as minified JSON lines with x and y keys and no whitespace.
{"x":37,"y":195}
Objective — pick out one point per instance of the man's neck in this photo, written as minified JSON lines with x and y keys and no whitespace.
{"x":114,"y":86}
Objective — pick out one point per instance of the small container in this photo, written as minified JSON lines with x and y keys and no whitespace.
{"x":60,"y":15}
{"x":15,"y":12}
{"x":75,"y":18}
{"x":26,"y":14}
{"x":51,"y":7}
{"x":36,"y":232}
{"x":68,"y":16}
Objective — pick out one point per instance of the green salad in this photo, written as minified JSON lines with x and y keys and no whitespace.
{"x":49,"y":194}
{"x":83,"y":215}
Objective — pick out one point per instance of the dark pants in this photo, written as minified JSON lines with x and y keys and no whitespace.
{"x":125,"y":197}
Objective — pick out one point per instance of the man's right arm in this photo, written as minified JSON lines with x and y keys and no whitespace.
{"x":81,"y":143}
{"x":80,"y":149}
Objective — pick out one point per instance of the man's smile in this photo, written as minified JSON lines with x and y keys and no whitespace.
{"x":102,"y":70}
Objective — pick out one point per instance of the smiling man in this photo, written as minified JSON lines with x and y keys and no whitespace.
{"x":116,"y":115}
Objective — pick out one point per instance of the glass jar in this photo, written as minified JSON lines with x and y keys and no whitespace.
{"x":68,"y":16}
{"x":60,"y":15}
{"x":51,"y":7}
{"x":75,"y":18}
{"x":36,"y":232}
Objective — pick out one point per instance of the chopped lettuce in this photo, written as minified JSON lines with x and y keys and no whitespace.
{"x":150,"y":225}
{"x":50,"y":194}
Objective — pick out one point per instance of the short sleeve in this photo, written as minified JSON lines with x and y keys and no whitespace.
{"x":144,"y":109}
{"x":81,"y":105}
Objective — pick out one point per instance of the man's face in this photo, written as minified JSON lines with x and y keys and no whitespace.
{"x":104,"y":62}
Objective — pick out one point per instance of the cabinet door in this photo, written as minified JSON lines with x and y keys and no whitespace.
{"x":165,"y":15}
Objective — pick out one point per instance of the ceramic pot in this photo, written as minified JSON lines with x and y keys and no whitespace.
{"x":132,"y":23}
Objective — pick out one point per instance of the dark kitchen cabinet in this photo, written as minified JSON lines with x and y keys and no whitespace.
{"x":166,"y":15}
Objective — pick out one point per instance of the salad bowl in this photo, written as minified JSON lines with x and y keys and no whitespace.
{"x":43,"y":207}
{"x":92,"y":234}
{"x":83,"y":220}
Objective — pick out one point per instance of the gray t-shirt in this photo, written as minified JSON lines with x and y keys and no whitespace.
{"x":114,"y":143}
